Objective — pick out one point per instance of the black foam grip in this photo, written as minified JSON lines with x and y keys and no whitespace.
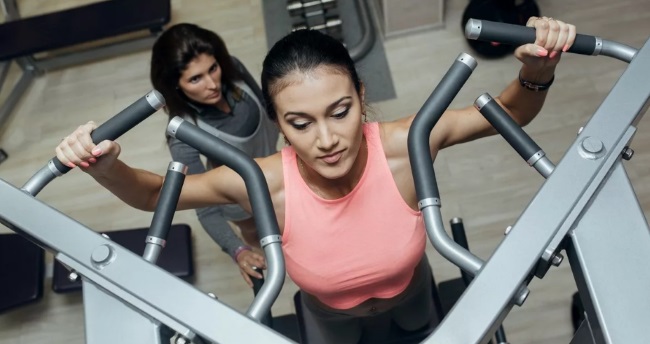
{"x":423,"y":123}
{"x":119,"y":124}
{"x":220,"y":151}
{"x":167,"y":203}
{"x":518,"y":35}
{"x":509,"y":129}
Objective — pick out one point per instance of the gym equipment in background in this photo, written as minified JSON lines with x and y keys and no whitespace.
{"x":25,"y":38}
{"x":318,"y":15}
{"x":504,"y":11}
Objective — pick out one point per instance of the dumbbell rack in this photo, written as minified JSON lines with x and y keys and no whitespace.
{"x":319,"y":15}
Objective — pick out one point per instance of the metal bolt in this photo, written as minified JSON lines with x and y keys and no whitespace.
{"x":580,"y":130}
{"x":105,"y":236}
{"x":508,"y":230}
{"x":628,"y":153}
{"x":557,"y":259}
{"x":181,"y":340}
{"x":101,"y":254}
{"x":73,"y":276}
{"x":592,"y":145}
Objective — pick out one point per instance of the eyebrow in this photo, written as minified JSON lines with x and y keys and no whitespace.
{"x":329,"y":108}
{"x":199,"y":74}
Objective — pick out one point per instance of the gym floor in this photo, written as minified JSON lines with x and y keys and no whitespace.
{"x":485,"y":183}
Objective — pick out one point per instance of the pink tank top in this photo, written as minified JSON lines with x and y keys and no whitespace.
{"x":364,"y":245}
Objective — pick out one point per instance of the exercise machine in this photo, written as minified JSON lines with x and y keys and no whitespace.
{"x":586,"y":207}
{"x":127,"y":298}
{"x":584,"y":198}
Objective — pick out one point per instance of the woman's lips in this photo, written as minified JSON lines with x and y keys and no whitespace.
{"x":332,"y":158}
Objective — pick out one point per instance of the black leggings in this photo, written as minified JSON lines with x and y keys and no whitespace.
{"x":410,"y":310}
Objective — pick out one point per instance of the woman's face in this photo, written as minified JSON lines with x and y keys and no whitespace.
{"x":201,"y":80}
{"x":320,"y":113}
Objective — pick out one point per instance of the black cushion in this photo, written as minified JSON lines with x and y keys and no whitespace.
{"x":176,"y":257}
{"x":81,"y":24}
{"x":22,"y":265}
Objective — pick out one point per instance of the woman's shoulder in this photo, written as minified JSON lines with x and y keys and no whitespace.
{"x":272,"y":169}
{"x":394,"y":136}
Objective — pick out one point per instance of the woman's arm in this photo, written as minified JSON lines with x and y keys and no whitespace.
{"x":522,"y":104}
{"x":139,"y":188}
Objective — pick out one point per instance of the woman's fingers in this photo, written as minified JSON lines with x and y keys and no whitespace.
{"x":252,"y":269}
{"x":571,"y":38}
{"x":74,"y":149}
{"x":552,"y":36}
{"x":246,"y":278}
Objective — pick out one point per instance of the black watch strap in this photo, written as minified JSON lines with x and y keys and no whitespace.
{"x":535,"y":87}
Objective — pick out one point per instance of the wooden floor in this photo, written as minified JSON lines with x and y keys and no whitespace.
{"x":484,"y":182}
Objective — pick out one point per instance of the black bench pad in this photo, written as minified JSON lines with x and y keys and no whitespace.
{"x":175,"y":258}
{"x":22,"y":267}
{"x":81,"y":24}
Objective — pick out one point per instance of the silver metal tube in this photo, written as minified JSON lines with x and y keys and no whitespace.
{"x":153,"y":248}
{"x":40,"y":179}
{"x":544,"y":166}
{"x":618,"y":51}
{"x":455,"y":253}
{"x":447,"y":247}
{"x":274,"y":280}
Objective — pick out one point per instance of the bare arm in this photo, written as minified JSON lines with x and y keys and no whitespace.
{"x":139,"y":188}
{"x":539,"y":63}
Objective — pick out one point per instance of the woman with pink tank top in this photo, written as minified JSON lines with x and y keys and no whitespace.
{"x":342,"y":189}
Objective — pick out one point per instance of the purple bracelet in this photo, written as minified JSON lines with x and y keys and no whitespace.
{"x":239,"y":250}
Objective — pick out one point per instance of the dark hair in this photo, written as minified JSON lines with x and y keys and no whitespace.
{"x":303,"y":51}
{"x":171,"y":54}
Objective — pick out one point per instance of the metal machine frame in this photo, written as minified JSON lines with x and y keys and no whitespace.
{"x":586,"y":207}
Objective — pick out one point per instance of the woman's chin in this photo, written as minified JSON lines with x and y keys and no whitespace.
{"x":333,"y":172}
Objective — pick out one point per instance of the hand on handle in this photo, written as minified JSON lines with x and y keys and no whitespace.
{"x":250,"y":264}
{"x":552,"y":37}
{"x":119,"y":124}
{"x":78,"y":149}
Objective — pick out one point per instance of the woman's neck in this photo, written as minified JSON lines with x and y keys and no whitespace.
{"x":223,"y":105}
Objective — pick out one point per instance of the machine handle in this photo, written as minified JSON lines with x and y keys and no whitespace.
{"x":485,"y":30}
{"x":216,"y":149}
{"x":266,"y":222}
{"x":123,"y":121}
{"x":110,"y":130}
{"x":506,"y":126}
{"x":427,"y":117}
{"x":165,"y":209}
{"x":512,"y":34}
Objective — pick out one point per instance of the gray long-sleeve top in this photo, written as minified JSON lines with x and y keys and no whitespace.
{"x":242,"y":121}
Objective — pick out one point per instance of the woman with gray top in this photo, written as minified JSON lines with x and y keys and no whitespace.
{"x":200,"y":81}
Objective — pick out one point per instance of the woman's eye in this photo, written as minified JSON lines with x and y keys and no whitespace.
{"x":300,"y":125}
{"x":214,"y":68}
{"x":194,"y":80}
{"x":342,"y":113}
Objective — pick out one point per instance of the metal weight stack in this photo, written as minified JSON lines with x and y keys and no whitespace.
{"x":319,"y":15}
